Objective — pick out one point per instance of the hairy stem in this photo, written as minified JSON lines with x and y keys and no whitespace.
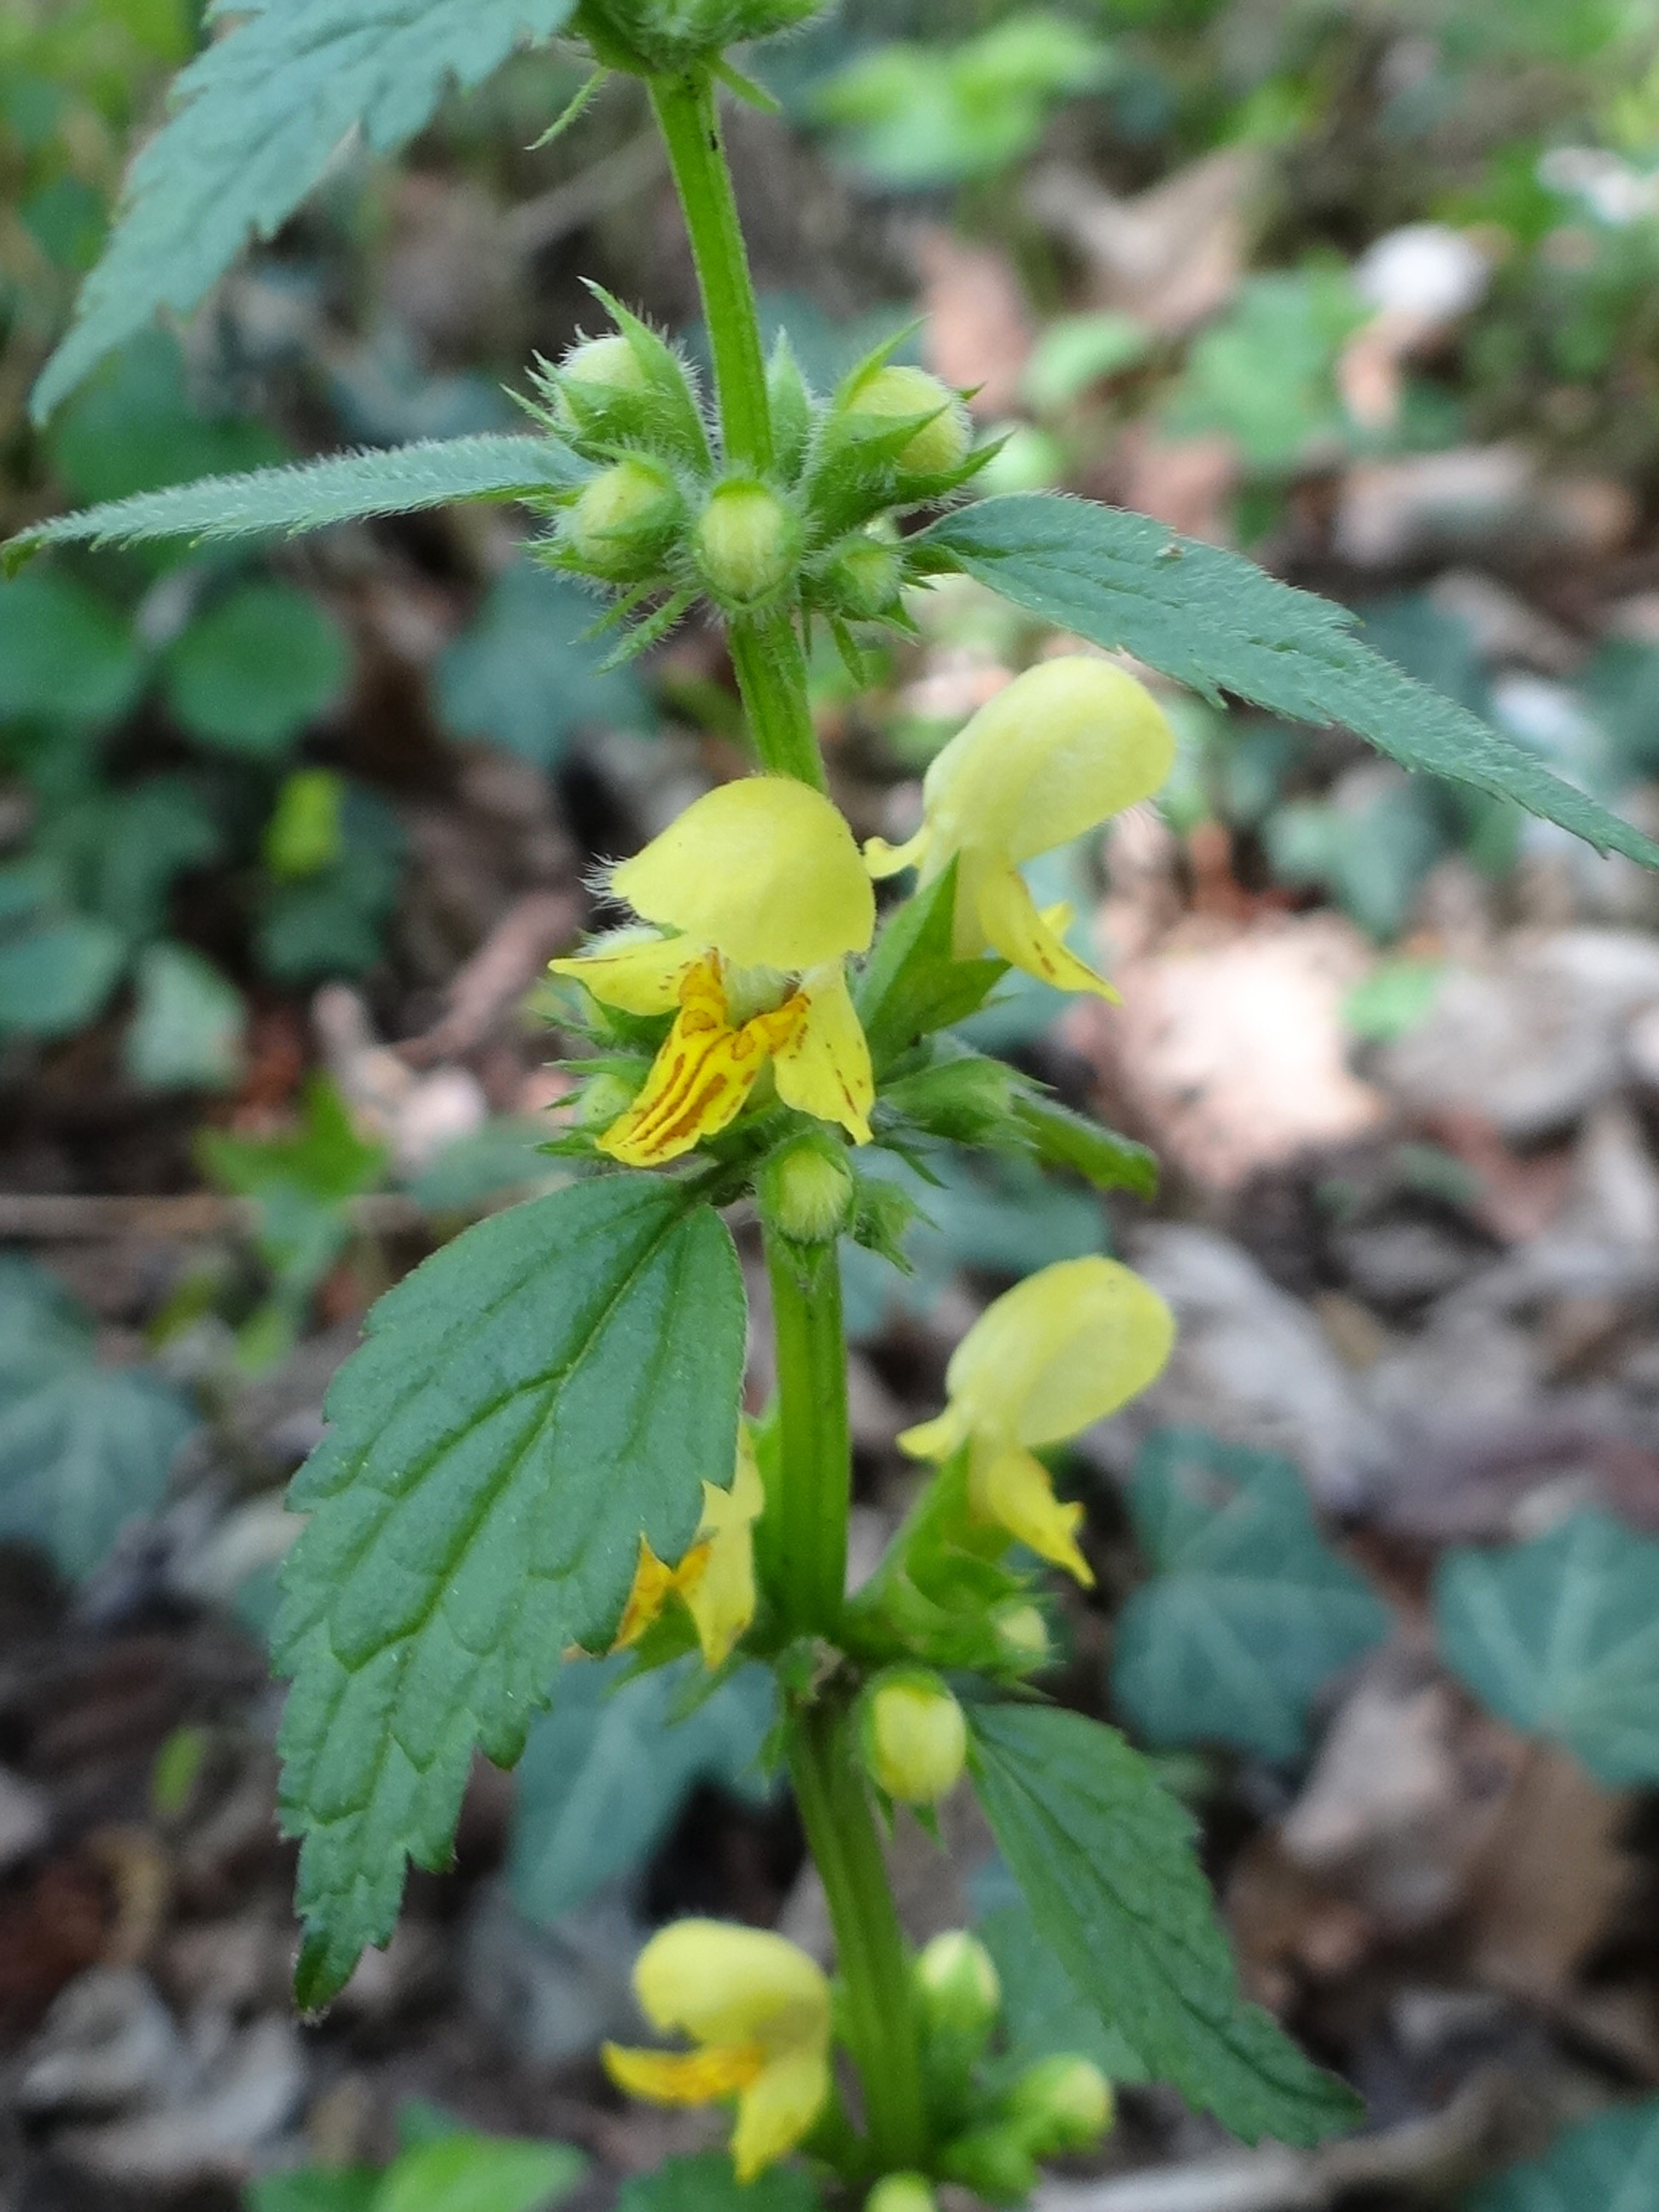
{"x":771,"y":669}
{"x":807,"y":1541}
{"x":879,"y":2012}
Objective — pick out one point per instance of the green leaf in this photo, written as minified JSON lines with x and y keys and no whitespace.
{"x":316,"y":2189}
{"x":301,"y":1183}
{"x":188,"y":1023}
{"x":1609,"y":2164}
{"x":605,"y":1772}
{"x":1218,"y":623}
{"x":912,"y":984}
{"x":311,"y":494}
{"x":83,"y":1447}
{"x":1560,"y":1637}
{"x":255,"y":119}
{"x":1042,"y":2011}
{"x":137,"y":425}
{"x":56,"y":976}
{"x":461,"y":2172}
{"x":249,"y":675}
{"x":1264,"y":376}
{"x":1104,"y":1856}
{"x":708,"y":2183}
{"x":66,"y":655}
{"x":553,"y":1385}
{"x":522,"y":676}
{"x":123,"y":848}
{"x":1249,"y":1612}
{"x":329,"y":923}
{"x":1061,"y":1139}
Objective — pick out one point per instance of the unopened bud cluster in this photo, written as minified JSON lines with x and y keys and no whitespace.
{"x":993,"y":2137}
{"x":651,"y":36}
{"x":662,"y":521}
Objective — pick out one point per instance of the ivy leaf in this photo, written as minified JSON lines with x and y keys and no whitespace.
{"x":310,"y":494}
{"x":57,"y":975}
{"x":255,"y":119}
{"x":1250,"y":1613}
{"x":248,"y":676}
{"x":463,"y":2171}
{"x":1104,"y":1855}
{"x":1219,"y":624}
{"x":83,"y":1447}
{"x":552,"y":1385}
{"x":522,"y":676}
{"x":605,"y":1774}
{"x":1560,"y":1637}
{"x":1610,"y":2164}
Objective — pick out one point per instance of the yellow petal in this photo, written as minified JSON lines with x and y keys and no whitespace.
{"x":995,"y":907}
{"x":765,"y":870}
{"x":778,"y":2110}
{"x":653,"y":1585}
{"x":722,"y":1984}
{"x":699,"y":1083}
{"x":822,"y":1066}
{"x":690,"y":2077}
{"x":1006,"y":1485}
{"x":717,"y":1580}
{"x":1061,"y":1350}
{"x":884,"y":859}
{"x":1056,"y":752}
{"x":937,"y":1438}
{"x":641,"y":974}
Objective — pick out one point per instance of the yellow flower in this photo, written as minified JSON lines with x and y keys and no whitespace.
{"x":1057,"y":752}
{"x":1058,"y":1351}
{"x":758,"y":2009}
{"x":761,"y":883}
{"x":715,"y":1580}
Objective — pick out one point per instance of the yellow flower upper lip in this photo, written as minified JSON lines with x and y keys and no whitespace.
{"x":764,"y":870}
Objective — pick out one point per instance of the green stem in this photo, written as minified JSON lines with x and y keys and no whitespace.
{"x":689,"y":117}
{"x":765,"y":654}
{"x":879,"y":2011}
{"x":806,"y":1542}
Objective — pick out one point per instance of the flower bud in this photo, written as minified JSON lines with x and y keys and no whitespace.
{"x":664,"y":35}
{"x":960,"y":1988}
{"x":1063,"y":2104}
{"x":993,"y":2163}
{"x":746,"y":543}
{"x":902,"y":2192}
{"x":625,"y":520}
{"x":914,"y":1736}
{"x":892,"y":393}
{"x":1023,"y":1633}
{"x":600,"y":371}
{"x":862,"y":578}
{"x":967,"y":1098}
{"x":805,"y":1191}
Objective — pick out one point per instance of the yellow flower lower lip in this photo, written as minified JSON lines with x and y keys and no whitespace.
{"x":709,"y":1064}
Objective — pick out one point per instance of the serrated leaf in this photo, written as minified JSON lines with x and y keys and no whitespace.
{"x":555,"y":1383}
{"x":1104,"y":1856}
{"x":1560,"y":1637}
{"x":1610,"y":2164}
{"x":255,"y":119}
{"x":1249,"y":1612}
{"x":708,"y":2183}
{"x":605,"y":1772}
{"x":1042,"y":2011}
{"x":83,"y":1447}
{"x":1217,"y":622}
{"x":311,"y":494}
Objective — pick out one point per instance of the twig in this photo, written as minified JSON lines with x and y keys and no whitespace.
{"x":487,"y":986}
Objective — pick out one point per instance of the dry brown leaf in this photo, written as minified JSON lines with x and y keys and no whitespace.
{"x":1171,"y":257}
{"x":979,"y":327}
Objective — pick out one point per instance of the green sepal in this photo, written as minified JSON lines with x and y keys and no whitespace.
{"x":944,"y":1090}
{"x":912,"y":983}
{"x":792,"y":409}
{"x":1061,"y":1139}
